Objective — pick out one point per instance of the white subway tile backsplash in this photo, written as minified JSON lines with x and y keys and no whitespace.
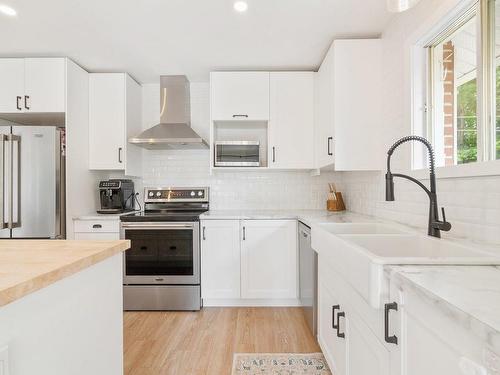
{"x":472,"y":204}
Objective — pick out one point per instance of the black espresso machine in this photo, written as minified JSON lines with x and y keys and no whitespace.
{"x":116,"y":196}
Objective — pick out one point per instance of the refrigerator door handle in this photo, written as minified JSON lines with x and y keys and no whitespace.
{"x":3,"y":224}
{"x":14,"y":224}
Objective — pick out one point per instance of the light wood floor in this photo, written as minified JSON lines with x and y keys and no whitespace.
{"x":196,"y":343}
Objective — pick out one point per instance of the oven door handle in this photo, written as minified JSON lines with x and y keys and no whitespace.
{"x":132,"y":226}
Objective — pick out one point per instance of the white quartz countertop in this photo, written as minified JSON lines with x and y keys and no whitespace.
{"x":470,"y":292}
{"x":308,"y":217}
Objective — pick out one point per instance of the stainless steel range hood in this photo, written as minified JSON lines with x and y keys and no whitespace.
{"x":174,"y":130}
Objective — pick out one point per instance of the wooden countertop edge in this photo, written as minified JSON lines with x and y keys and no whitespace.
{"x":43,"y":280}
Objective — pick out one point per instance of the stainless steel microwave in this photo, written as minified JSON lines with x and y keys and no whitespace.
{"x":237,"y":154}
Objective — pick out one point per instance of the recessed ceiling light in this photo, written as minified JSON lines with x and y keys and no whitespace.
{"x":240,"y":6}
{"x":7,"y":10}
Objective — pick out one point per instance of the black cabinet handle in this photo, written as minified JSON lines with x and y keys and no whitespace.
{"x":340,"y":315}
{"x":330,"y":139}
{"x":26,"y":97}
{"x":334,"y":307}
{"x":274,"y":154}
{"x":234,"y":116}
{"x":97,"y":226}
{"x":120,"y":155}
{"x":244,"y":233}
{"x":387,"y":309}
{"x":203,"y":234}
{"x":18,"y":103}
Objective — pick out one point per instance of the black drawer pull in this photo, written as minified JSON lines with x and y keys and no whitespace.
{"x":173,"y":248}
{"x":334,"y":307}
{"x":387,"y":309}
{"x":144,"y":248}
{"x":234,"y":116}
{"x":97,"y":226}
{"x":340,"y":315}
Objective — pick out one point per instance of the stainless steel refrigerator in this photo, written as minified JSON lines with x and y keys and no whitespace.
{"x":32,"y":182}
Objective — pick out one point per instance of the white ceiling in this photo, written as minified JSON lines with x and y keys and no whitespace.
{"x":147,"y":38}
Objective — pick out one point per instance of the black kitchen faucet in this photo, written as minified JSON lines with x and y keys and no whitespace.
{"x":435,"y":225}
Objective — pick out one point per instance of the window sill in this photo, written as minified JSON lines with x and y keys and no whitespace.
{"x":481,"y":169}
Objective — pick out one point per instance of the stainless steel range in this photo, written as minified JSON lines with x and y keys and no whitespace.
{"x":162,"y":267}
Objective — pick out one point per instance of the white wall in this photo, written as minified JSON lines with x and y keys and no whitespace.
{"x":229,"y":190}
{"x":472,"y":204}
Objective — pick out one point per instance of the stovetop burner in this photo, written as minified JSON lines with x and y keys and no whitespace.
{"x":160,"y":216}
{"x":171,"y":205}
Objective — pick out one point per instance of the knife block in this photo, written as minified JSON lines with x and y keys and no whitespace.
{"x":336,"y":204}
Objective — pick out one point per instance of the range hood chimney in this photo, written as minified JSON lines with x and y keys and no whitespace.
{"x":174,"y":131}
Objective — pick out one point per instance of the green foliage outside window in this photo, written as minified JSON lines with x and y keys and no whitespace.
{"x":467,"y":122}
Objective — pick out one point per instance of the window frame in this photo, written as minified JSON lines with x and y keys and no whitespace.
{"x":452,"y":28}
{"x":486,"y":164}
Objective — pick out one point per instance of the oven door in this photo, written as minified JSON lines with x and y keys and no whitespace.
{"x":162,"y":253}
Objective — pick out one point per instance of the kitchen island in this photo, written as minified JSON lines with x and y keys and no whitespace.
{"x":61,"y":308}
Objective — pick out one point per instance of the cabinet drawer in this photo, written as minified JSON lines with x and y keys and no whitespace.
{"x":97,"y":226}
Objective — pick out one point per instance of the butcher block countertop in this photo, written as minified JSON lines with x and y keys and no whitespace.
{"x":29,"y":265}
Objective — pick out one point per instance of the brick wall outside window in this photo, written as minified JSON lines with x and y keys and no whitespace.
{"x":449,"y":102}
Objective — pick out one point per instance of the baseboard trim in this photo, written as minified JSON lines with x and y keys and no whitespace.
{"x":215,"y":302}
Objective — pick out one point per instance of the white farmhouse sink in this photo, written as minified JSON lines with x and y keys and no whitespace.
{"x":360,"y":258}
{"x":363,"y":228}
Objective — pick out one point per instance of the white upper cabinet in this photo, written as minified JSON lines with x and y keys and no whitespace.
{"x":349,"y":129}
{"x":32,"y":85}
{"x":291,"y":125}
{"x":239,"y":96}
{"x":220,"y":259}
{"x":324,"y":108}
{"x":45,"y":84}
{"x":12,"y":87}
{"x":114,"y":116}
{"x":269,"y":259}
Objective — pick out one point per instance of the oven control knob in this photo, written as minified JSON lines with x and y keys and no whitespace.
{"x":158,"y":194}
{"x":151,"y":194}
{"x":192,"y":193}
{"x":200,"y":193}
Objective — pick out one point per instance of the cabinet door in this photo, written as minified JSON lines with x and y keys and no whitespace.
{"x":366,"y":354}
{"x":269,"y":259}
{"x":291,"y":126}
{"x":45,"y":85}
{"x":359,"y":144}
{"x":240,"y":95}
{"x":12,"y":85}
{"x":435,"y":341}
{"x":107,"y":121}
{"x":220,"y":259}
{"x":324,"y":110}
{"x":334,"y":347}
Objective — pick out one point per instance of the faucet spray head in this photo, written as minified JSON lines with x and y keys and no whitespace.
{"x":389,"y":187}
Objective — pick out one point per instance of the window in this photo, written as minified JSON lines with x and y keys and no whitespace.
{"x":463,"y":87}
{"x":454,"y":91}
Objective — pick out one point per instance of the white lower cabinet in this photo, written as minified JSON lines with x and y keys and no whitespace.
{"x":248,"y":262}
{"x":366,"y":353}
{"x":269,"y":259}
{"x":348,"y":344}
{"x":334,"y":347}
{"x":220,"y":259}
{"x":96,"y":230}
{"x":435,"y":340}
